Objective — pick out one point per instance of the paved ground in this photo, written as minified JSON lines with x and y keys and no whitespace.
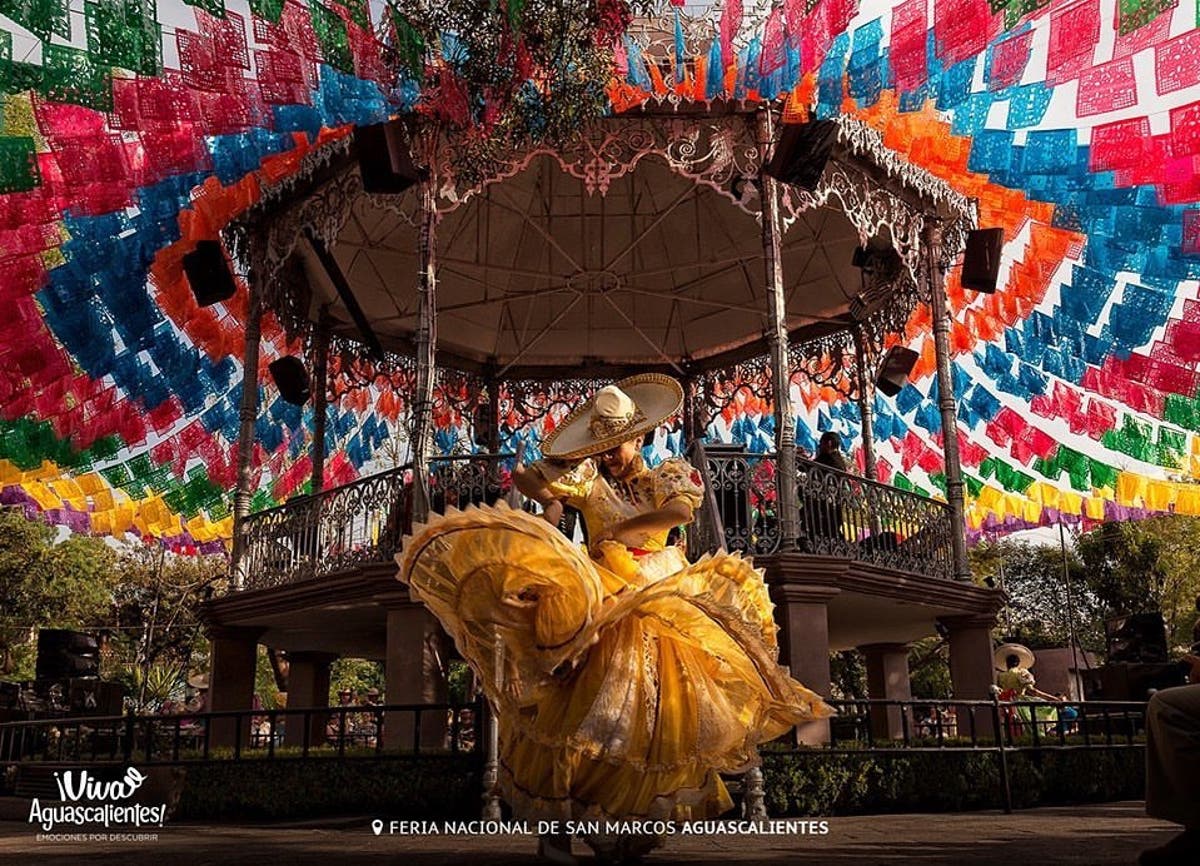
{"x":1093,"y":835}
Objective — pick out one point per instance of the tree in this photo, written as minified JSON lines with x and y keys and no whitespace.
{"x":158,"y":635}
{"x":357,"y":675}
{"x":1146,"y":566}
{"x":1038,"y":613}
{"x":44,"y":584}
{"x":848,"y":674}
{"x":929,"y":668}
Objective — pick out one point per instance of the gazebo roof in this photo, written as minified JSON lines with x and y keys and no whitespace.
{"x":636,"y":247}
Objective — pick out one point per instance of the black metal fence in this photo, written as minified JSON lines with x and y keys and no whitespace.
{"x":882,"y":728}
{"x":387,"y":730}
{"x":962,"y":724}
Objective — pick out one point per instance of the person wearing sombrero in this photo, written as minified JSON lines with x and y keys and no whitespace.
{"x":631,"y":677}
{"x":1016,"y":683}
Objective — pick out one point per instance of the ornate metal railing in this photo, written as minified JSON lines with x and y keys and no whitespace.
{"x":846,"y":515}
{"x":360,"y":522}
{"x":840,"y":514}
{"x":739,"y":509}
{"x":470,"y":479}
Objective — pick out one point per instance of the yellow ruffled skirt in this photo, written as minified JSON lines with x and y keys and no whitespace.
{"x":628,"y":684}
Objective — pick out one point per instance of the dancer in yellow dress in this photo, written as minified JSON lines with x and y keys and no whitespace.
{"x":631,"y":678}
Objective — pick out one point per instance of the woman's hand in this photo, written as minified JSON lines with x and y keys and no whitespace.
{"x":552,"y":512}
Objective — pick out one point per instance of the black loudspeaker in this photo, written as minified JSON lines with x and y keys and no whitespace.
{"x":1139,"y":637}
{"x":801,"y":153}
{"x":981,"y":259}
{"x":384,"y":159}
{"x":208,"y":274}
{"x":894,"y":370}
{"x":291,"y":379}
{"x":1131,"y":682}
{"x":63,"y":654}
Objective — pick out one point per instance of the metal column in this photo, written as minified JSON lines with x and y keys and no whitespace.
{"x":946,"y":400}
{"x":866,"y":400}
{"x":247,"y":413}
{"x":426,"y":345}
{"x":320,"y":388}
{"x":777,"y":339}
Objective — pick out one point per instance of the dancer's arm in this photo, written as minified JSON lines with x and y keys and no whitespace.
{"x":532,"y":482}
{"x":633,"y":531}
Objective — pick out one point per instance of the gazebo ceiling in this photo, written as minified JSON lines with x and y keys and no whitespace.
{"x":535,"y":271}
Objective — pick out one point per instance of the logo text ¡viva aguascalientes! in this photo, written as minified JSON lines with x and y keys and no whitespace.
{"x":88,"y":800}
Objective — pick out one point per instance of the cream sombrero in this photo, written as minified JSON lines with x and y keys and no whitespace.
{"x":615,"y":414}
{"x":1023,"y":653}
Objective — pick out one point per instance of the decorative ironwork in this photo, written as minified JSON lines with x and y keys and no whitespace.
{"x":531,"y":402}
{"x":361,"y":522}
{"x":841,"y":514}
{"x":471,"y":479}
{"x":712,"y":151}
{"x":319,"y":534}
{"x":849,"y":516}
{"x":721,"y":388}
{"x":741,"y":492}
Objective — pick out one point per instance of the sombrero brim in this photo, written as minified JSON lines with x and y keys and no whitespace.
{"x":657,"y":396}
{"x":1024,"y":656}
{"x":200,"y":681}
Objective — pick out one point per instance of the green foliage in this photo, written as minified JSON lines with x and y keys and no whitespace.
{"x":929,"y":669}
{"x":357,"y":675}
{"x":804,"y":783}
{"x":442,"y":789}
{"x":848,"y":674}
{"x":459,"y":681}
{"x":265,"y":685}
{"x":145,"y":601}
{"x":156,"y":622}
{"x":1147,"y":565}
{"x":1038,"y":613}
{"x":815,"y":783}
{"x":47,"y":585}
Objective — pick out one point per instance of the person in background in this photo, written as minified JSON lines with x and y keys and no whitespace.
{"x":1173,"y":767}
{"x":1067,"y":716}
{"x":824,"y":516}
{"x":334,"y":728}
{"x":829,"y":452}
{"x":1016,"y":684}
{"x":370,"y":719}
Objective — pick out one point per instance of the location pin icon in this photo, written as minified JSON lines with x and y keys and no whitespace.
{"x":377,"y":826}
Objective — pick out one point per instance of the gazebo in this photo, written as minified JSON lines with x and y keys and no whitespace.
{"x":654,"y":241}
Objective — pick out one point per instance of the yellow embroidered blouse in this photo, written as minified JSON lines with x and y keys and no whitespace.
{"x":605,"y":503}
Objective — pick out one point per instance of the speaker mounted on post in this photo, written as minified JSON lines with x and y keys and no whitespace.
{"x":894,"y":370}
{"x":208,"y":274}
{"x":385,"y":159}
{"x":1138,"y":637}
{"x":801,"y":153}
{"x":63,"y":653}
{"x":981,"y":259}
{"x":291,"y":379}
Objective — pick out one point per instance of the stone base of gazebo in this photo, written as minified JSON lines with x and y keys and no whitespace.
{"x":825,"y":604}
{"x":822,"y":604}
